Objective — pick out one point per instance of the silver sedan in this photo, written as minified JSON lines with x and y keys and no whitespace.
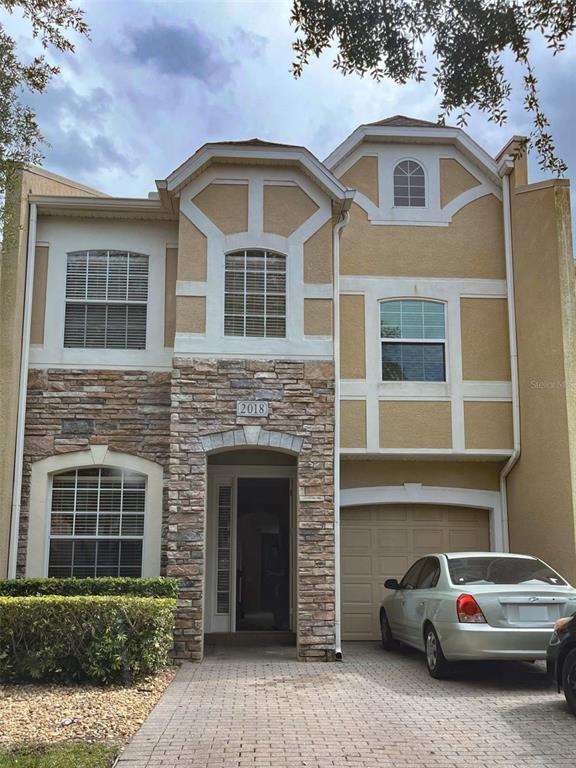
{"x":465,"y":606}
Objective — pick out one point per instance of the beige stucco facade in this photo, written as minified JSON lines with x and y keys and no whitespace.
{"x":461,"y":434}
{"x":454,"y":180}
{"x":485,"y":342}
{"x":472,"y":246}
{"x":415,"y":424}
{"x":541,"y":485}
{"x":226,"y":205}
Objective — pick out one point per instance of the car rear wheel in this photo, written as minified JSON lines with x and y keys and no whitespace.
{"x":569,"y":679}
{"x":388,"y":641}
{"x":435,"y":659}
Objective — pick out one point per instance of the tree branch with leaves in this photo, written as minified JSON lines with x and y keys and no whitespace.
{"x":51,"y":23}
{"x":386,"y":39}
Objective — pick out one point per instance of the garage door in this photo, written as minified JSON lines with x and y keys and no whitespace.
{"x":381,"y":542}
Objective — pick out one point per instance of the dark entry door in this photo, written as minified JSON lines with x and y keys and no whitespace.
{"x":263,"y":554}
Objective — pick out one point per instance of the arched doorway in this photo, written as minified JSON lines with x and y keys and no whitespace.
{"x":250,"y":542}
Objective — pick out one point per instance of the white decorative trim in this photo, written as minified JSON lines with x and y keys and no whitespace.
{"x":454,"y":389}
{"x":298,"y":155}
{"x":481,"y":454}
{"x":317,"y":291}
{"x":414,"y":493}
{"x":118,"y":365}
{"x":447,"y":290}
{"x":40,"y":488}
{"x":373,"y":134}
{"x":487,"y":390}
{"x":191,"y":288}
{"x":214,"y":343}
{"x":428,"y":156}
{"x":72,"y":235}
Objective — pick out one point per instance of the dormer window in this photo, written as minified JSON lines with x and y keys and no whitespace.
{"x":409,"y":185}
{"x":106,"y":300}
{"x":255,"y":294}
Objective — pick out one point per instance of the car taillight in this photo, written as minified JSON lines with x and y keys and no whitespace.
{"x":561,"y":623}
{"x":468,"y":610}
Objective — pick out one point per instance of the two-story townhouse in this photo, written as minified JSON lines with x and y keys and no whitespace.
{"x":281,"y":380}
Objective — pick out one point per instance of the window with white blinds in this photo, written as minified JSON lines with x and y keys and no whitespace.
{"x":255,"y":294}
{"x":409,"y":185}
{"x":413,"y":338}
{"x":97,"y":523}
{"x":106,"y":300}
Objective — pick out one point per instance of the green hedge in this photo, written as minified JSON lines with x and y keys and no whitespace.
{"x":158,"y":587}
{"x":92,"y":637}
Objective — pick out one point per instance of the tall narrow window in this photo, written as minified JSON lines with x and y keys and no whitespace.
{"x":223,"y":560}
{"x":255,"y":294}
{"x":413,"y":338}
{"x":106,"y":300}
{"x":409,"y":185}
{"x":97,"y":523}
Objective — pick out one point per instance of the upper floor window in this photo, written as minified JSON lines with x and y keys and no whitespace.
{"x":409,"y":185}
{"x":255,"y":294}
{"x":413,"y":338}
{"x":97,"y":523}
{"x":106,"y":300}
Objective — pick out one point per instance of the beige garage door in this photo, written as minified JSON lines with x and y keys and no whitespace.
{"x":381,"y":542}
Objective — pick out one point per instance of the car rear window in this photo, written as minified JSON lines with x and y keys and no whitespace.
{"x":501,"y":570}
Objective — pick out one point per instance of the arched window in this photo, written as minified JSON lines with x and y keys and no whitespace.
{"x":413,"y":338}
{"x":255,"y":294}
{"x":97,"y":522}
{"x":409,"y":185}
{"x":106,"y":300}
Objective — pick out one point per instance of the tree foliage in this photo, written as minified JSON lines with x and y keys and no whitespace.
{"x":387,"y":38}
{"x":50,"y":21}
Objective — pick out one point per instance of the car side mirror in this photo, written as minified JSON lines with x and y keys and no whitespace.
{"x":391,"y":584}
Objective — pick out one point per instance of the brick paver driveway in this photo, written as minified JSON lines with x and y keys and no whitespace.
{"x":248,"y":708}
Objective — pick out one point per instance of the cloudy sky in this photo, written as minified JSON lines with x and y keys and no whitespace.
{"x":159,"y":78}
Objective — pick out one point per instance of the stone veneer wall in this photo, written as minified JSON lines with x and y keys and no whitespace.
{"x":301,"y":397}
{"x":69,"y":410}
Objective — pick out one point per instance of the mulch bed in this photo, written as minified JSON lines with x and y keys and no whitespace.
{"x":48,"y":713}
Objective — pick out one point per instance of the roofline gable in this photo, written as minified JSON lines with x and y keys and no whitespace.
{"x":428,"y":135}
{"x":298,"y":156}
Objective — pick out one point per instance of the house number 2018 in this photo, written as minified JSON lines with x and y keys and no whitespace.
{"x":251,"y":408}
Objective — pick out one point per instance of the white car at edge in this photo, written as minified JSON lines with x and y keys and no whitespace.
{"x":465,"y":606}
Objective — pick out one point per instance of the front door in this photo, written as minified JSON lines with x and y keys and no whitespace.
{"x":249,"y":552}
{"x":263,"y":554}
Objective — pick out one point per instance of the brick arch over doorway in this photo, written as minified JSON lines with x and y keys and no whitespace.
{"x":251,"y":436}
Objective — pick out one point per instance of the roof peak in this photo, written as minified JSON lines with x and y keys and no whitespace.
{"x":403,"y":121}
{"x":252,"y":142}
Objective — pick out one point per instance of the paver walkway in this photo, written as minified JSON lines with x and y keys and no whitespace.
{"x":250,"y":709}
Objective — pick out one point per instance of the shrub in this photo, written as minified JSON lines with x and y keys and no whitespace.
{"x":90,"y":637}
{"x":158,"y":587}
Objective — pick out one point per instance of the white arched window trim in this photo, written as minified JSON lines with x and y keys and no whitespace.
{"x":96,"y":456}
{"x":426,"y":185}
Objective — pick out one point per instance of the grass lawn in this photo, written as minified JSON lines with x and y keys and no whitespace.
{"x":58,"y":756}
